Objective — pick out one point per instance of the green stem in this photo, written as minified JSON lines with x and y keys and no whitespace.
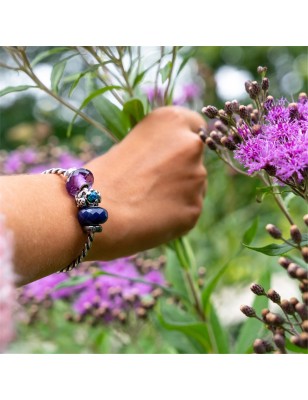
{"x":174,"y":53}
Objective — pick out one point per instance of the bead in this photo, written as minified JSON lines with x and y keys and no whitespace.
{"x":87,"y":198}
{"x":78,"y":179}
{"x":92,"y":216}
{"x":93,"y":228}
{"x":93,"y":197}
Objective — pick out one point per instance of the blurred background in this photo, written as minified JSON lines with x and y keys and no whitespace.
{"x":33,"y":134}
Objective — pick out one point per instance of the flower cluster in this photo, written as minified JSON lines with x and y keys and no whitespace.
{"x":7,"y":289}
{"x":269,"y":137}
{"x":99,"y":293}
{"x":292,"y":323}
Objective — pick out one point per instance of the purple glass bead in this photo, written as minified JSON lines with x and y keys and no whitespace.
{"x":92,"y":216}
{"x":78,"y":179}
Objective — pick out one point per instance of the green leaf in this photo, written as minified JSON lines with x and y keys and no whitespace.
{"x":48,"y":53}
{"x":295,"y":349}
{"x":174,"y":274}
{"x":12,"y":89}
{"x":217,"y":332}
{"x":210,"y":286}
{"x":73,"y":281}
{"x":56,"y":75}
{"x":165,"y":71}
{"x":277,"y":249}
{"x":298,"y":260}
{"x":139,"y":78}
{"x":113,"y":118}
{"x":78,"y":77}
{"x":183,"y":250}
{"x":134,"y":110}
{"x":252,"y":328}
{"x":87,"y":100}
{"x":173,"y":318}
{"x":251,"y":232}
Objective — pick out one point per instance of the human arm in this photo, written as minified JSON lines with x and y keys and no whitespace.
{"x":152,"y":185}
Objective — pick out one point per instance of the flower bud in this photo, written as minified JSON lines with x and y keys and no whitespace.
{"x":265,"y":84}
{"x":295,"y":234}
{"x":259,"y":347}
{"x":221,"y":127}
{"x":292,"y":268}
{"x":235,"y":105}
{"x":254,"y":90}
{"x":293,"y":111}
{"x":141,"y":312}
{"x":284,"y":262}
{"x":257,"y":289}
{"x":287,"y":307}
{"x":243,"y":112}
{"x":302,"y":97}
{"x":269,"y":102}
{"x":264,"y":313}
{"x":296,"y":340}
{"x":247,"y":85}
{"x":305,"y":298}
{"x":210,"y":111}
{"x":224,"y":117}
{"x":303,"y":287}
{"x":216,"y":136}
{"x":293,"y":301}
{"x":305,"y":218}
{"x":304,"y":339}
{"x":273,"y":231}
{"x":279,"y":341}
{"x":228,"y":107}
{"x":301,"y":273}
{"x":256,"y":129}
{"x":274,"y":319}
{"x":302,"y":310}
{"x":261,"y":70}
{"x":211,"y":144}
{"x":248,"y":311}
{"x":228,"y":143}
{"x":304,"y":252}
{"x":274,"y":296}
{"x":305,"y":325}
{"x":201,"y":272}
{"x":156,"y":293}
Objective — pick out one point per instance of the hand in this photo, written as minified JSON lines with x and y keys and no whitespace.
{"x":152,"y":183}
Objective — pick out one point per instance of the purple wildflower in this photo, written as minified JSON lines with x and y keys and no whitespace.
{"x":281,"y":144}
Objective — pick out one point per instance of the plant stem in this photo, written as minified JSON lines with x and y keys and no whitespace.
{"x":195,"y":295}
{"x":174,"y":52}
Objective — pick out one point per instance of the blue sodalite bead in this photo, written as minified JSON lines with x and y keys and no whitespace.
{"x":92,"y":216}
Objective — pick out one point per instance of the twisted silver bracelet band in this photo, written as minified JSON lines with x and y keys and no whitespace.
{"x":80,"y":194}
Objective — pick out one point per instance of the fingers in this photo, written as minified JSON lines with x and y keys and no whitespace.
{"x":194,"y":120}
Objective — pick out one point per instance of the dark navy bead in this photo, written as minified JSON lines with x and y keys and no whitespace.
{"x":92,"y":216}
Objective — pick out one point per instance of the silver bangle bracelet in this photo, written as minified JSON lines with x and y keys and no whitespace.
{"x":79,"y":183}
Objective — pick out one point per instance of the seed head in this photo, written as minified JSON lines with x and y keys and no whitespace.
{"x":273,"y":231}
{"x":248,"y":311}
{"x":295,"y":234}
{"x":257,"y":289}
{"x":274,"y":296}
